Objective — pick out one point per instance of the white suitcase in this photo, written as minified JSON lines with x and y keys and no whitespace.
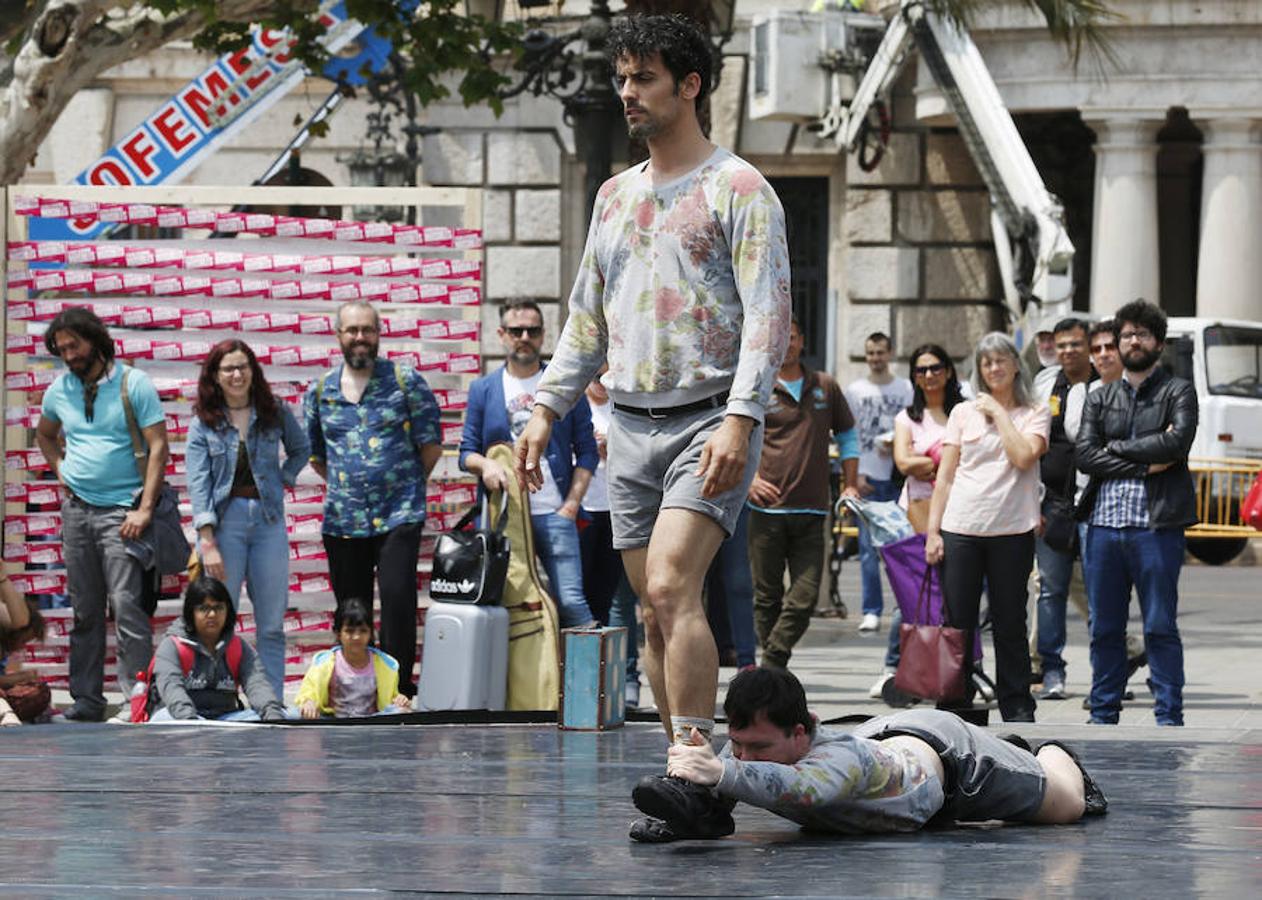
{"x":464,"y":664}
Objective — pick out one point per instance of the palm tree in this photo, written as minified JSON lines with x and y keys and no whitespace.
{"x":1074,"y":23}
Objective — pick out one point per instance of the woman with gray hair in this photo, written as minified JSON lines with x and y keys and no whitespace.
{"x":985,"y":509}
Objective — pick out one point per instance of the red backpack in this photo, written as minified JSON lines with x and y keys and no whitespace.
{"x":144,"y":696}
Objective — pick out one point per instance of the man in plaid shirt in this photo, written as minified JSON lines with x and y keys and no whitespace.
{"x":1134,"y":441}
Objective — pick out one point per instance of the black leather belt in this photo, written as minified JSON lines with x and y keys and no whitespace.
{"x":665,"y":412}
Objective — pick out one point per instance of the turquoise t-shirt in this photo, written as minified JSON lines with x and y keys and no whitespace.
{"x":99,"y":466}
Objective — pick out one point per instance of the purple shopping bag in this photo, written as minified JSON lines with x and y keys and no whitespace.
{"x":906,"y":569}
{"x":905,"y":566}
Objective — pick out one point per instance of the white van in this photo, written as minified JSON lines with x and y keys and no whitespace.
{"x":1223,"y":358}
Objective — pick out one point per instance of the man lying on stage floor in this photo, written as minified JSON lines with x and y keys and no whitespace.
{"x":892,"y":773}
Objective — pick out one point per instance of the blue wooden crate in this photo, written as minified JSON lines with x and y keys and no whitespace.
{"x":593,"y":678}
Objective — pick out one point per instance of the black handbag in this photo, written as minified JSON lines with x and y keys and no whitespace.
{"x":1060,"y":528}
{"x":471,"y":564}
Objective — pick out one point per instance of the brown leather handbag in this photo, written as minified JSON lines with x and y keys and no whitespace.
{"x":931,"y":664}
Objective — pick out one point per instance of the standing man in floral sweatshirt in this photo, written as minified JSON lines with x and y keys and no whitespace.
{"x":684,"y":288}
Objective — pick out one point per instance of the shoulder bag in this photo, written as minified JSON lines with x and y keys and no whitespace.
{"x":470,"y":564}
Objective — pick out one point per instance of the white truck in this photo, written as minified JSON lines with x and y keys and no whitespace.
{"x":831,"y":70}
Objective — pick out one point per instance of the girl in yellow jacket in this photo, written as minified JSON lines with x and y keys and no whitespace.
{"x":353,"y":678}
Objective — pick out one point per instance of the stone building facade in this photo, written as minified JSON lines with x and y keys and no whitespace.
{"x":1158,"y":160}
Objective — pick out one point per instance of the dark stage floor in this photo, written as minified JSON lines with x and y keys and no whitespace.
{"x":100,"y":810}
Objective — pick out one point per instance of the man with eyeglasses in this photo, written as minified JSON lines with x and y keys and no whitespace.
{"x":1063,"y":388}
{"x":375,"y":437}
{"x":105,"y":503}
{"x":499,"y":408}
{"x":1134,"y":441}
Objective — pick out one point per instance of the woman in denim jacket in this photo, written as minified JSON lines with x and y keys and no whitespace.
{"x":239,"y":497}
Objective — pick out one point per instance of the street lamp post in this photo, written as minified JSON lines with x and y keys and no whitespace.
{"x":381,"y":164}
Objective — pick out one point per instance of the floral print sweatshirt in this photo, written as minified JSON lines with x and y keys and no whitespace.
{"x":844,"y":783}
{"x":684,"y":287}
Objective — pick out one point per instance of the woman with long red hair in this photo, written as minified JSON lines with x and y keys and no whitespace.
{"x":237,"y":481}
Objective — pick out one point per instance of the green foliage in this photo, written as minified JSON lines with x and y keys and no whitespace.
{"x":436,"y":39}
{"x":1077,"y":24}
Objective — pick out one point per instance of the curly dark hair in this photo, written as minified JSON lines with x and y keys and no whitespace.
{"x":210,"y":403}
{"x":84,"y":323}
{"x":680,"y":43}
{"x":1144,"y":314}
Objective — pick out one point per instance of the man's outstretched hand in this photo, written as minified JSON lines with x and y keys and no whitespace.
{"x":531,"y":444}
{"x":695,"y":762}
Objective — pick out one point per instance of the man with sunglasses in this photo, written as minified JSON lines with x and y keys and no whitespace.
{"x":1134,"y":442}
{"x":1063,"y":388}
{"x":105,"y":503}
{"x":499,"y":407}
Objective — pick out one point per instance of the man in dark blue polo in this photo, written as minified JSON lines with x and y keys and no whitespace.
{"x":500,"y":404}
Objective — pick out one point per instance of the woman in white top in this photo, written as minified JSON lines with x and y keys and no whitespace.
{"x":984,"y":510}
{"x":918,"y":433}
{"x":920,"y":428}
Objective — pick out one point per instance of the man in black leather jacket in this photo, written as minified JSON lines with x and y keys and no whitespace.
{"x":1134,"y":442}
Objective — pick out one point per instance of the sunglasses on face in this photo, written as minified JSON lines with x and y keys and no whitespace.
{"x":233,"y":370}
{"x":1103,"y":348}
{"x":521,"y":331}
{"x":934,"y":369}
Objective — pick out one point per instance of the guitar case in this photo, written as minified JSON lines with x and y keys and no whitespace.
{"x":534,"y":630}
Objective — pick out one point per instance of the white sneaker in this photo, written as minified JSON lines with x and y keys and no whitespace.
{"x":871,"y":622}
{"x":633,"y":695}
{"x":875,"y":692}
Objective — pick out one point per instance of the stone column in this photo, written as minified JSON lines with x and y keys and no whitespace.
{"x":1229,"y":270}
{"x":1124,"y":255}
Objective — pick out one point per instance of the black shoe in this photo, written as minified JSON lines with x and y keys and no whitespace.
{"x":78,"y":713}
{"x":1096,"y":803}
{"x":648,"y":830}
{"x":690,"y":810}
{"x":895,"y":698}
{"x":1017,"y":741}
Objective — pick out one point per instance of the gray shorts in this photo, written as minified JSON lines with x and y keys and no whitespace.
{"x":986,"y":778}
{"x":652,"y":466}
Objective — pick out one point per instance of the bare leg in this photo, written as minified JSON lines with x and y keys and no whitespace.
{"x":1064,"y":801}
{"x":633,"y":564}
{"x":680,"y":646}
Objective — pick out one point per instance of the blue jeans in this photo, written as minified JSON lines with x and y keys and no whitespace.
{"x":1055,"y":571}
{"x":256,"y":552}
{"x":869,"y":556}
{"x":241,"y":715}
{"x":622,"y":614}
{"x":731,"y":589}
{"x":1149,"y":560}
{"x":556,"y":542}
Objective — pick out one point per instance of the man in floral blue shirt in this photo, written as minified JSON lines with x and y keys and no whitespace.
{"x":375,"y":438}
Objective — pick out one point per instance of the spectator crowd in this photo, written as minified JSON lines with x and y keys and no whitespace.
{"x":1083,"y":463}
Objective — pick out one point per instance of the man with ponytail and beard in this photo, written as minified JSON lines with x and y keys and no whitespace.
{"x":105,"y":503}
{"x":375,"y":437}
